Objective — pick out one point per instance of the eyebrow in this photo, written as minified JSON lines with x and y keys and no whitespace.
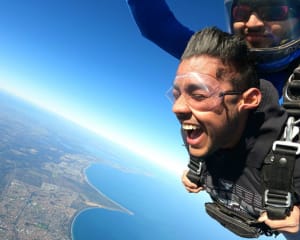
{"x":193,"y":87}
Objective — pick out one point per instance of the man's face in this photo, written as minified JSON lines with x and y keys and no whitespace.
{"x":266,"y":25}
{"x":209,"y":125}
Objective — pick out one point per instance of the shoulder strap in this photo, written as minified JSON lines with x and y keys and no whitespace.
{"x":277,"y":175}
{"x":195,"y":170}
{"x":278,"y":169}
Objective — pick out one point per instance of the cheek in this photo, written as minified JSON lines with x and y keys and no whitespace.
{"x":217,"y":126}
{"x":213,"y":122}
{"x":223,"y":133}
{"x":238,"y":27}
{"x":283,"y":29}
{"x":278,"y":30}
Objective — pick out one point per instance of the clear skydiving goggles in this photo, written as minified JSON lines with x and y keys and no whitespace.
{"x":199,"y":91}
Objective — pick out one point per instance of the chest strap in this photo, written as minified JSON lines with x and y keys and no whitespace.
{"x":278,"y":173}
{"x":278,"y":169}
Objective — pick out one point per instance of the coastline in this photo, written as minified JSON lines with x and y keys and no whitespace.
{"x":118,"y":207}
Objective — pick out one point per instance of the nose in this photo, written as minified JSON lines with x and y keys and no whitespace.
{"x":181,"y":107}
{"x":254,"y":21}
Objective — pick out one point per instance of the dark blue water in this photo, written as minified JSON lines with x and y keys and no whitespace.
{"x":161,"y":208}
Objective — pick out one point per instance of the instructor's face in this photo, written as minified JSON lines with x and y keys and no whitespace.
{"x":265,"y":26}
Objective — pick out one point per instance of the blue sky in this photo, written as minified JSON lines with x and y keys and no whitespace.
{"x":86,"y":60}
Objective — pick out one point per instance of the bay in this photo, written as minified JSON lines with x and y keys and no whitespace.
{"x":154,"y":199}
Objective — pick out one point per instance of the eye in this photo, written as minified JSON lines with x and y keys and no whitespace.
{"x":241,"y":13}
{"x":197,"y":92}
{"x":198,"y":97}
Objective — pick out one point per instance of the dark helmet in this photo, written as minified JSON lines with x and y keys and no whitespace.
{"x":277,"y":57}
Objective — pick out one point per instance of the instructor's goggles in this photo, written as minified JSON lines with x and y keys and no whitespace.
{"x":242,"y":12}
{"x":200,"y":91}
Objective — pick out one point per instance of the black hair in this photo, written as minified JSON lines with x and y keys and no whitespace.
{"x":231,"y":49}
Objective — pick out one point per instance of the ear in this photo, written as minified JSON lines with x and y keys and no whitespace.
{"x":251,"y":98}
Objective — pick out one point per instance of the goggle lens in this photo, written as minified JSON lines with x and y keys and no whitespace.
{"x":201,"y":92}
{"x":242,"y":13}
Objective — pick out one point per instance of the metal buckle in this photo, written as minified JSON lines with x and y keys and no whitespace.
{"x":277,"y":199}
{"x":291,"y":130}
{"x":289,"y":133}
{"x":292,"y":145}
{"x":199,"y":170}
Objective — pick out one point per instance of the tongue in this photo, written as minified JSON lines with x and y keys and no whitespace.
{"x":195,"y":133}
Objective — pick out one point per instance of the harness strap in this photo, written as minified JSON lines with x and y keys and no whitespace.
{"x":243,"y":225}
{"x":195,"y":170}
{"x":278,"y":180}
{"x":278,"y":169}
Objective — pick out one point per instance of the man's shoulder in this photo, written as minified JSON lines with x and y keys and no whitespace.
{"x":270,"y":96}
{"x":267,"y":85}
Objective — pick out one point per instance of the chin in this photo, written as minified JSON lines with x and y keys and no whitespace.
{"x":198,"y":152}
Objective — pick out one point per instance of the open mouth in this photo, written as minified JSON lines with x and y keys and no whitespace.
{"x":192,"y":131}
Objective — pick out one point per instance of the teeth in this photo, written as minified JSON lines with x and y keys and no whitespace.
{"x":189,"y":127}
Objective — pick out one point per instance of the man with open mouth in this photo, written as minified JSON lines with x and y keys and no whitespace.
{"x":230,"y":120}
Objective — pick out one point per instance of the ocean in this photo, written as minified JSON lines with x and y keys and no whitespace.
{"x":157,"y":205}
{"x":156,"y":201}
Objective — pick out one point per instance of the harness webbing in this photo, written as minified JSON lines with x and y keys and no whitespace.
{"x":278,"y":169}
{"x":195,"y":170}
{"x":277,"y":174}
